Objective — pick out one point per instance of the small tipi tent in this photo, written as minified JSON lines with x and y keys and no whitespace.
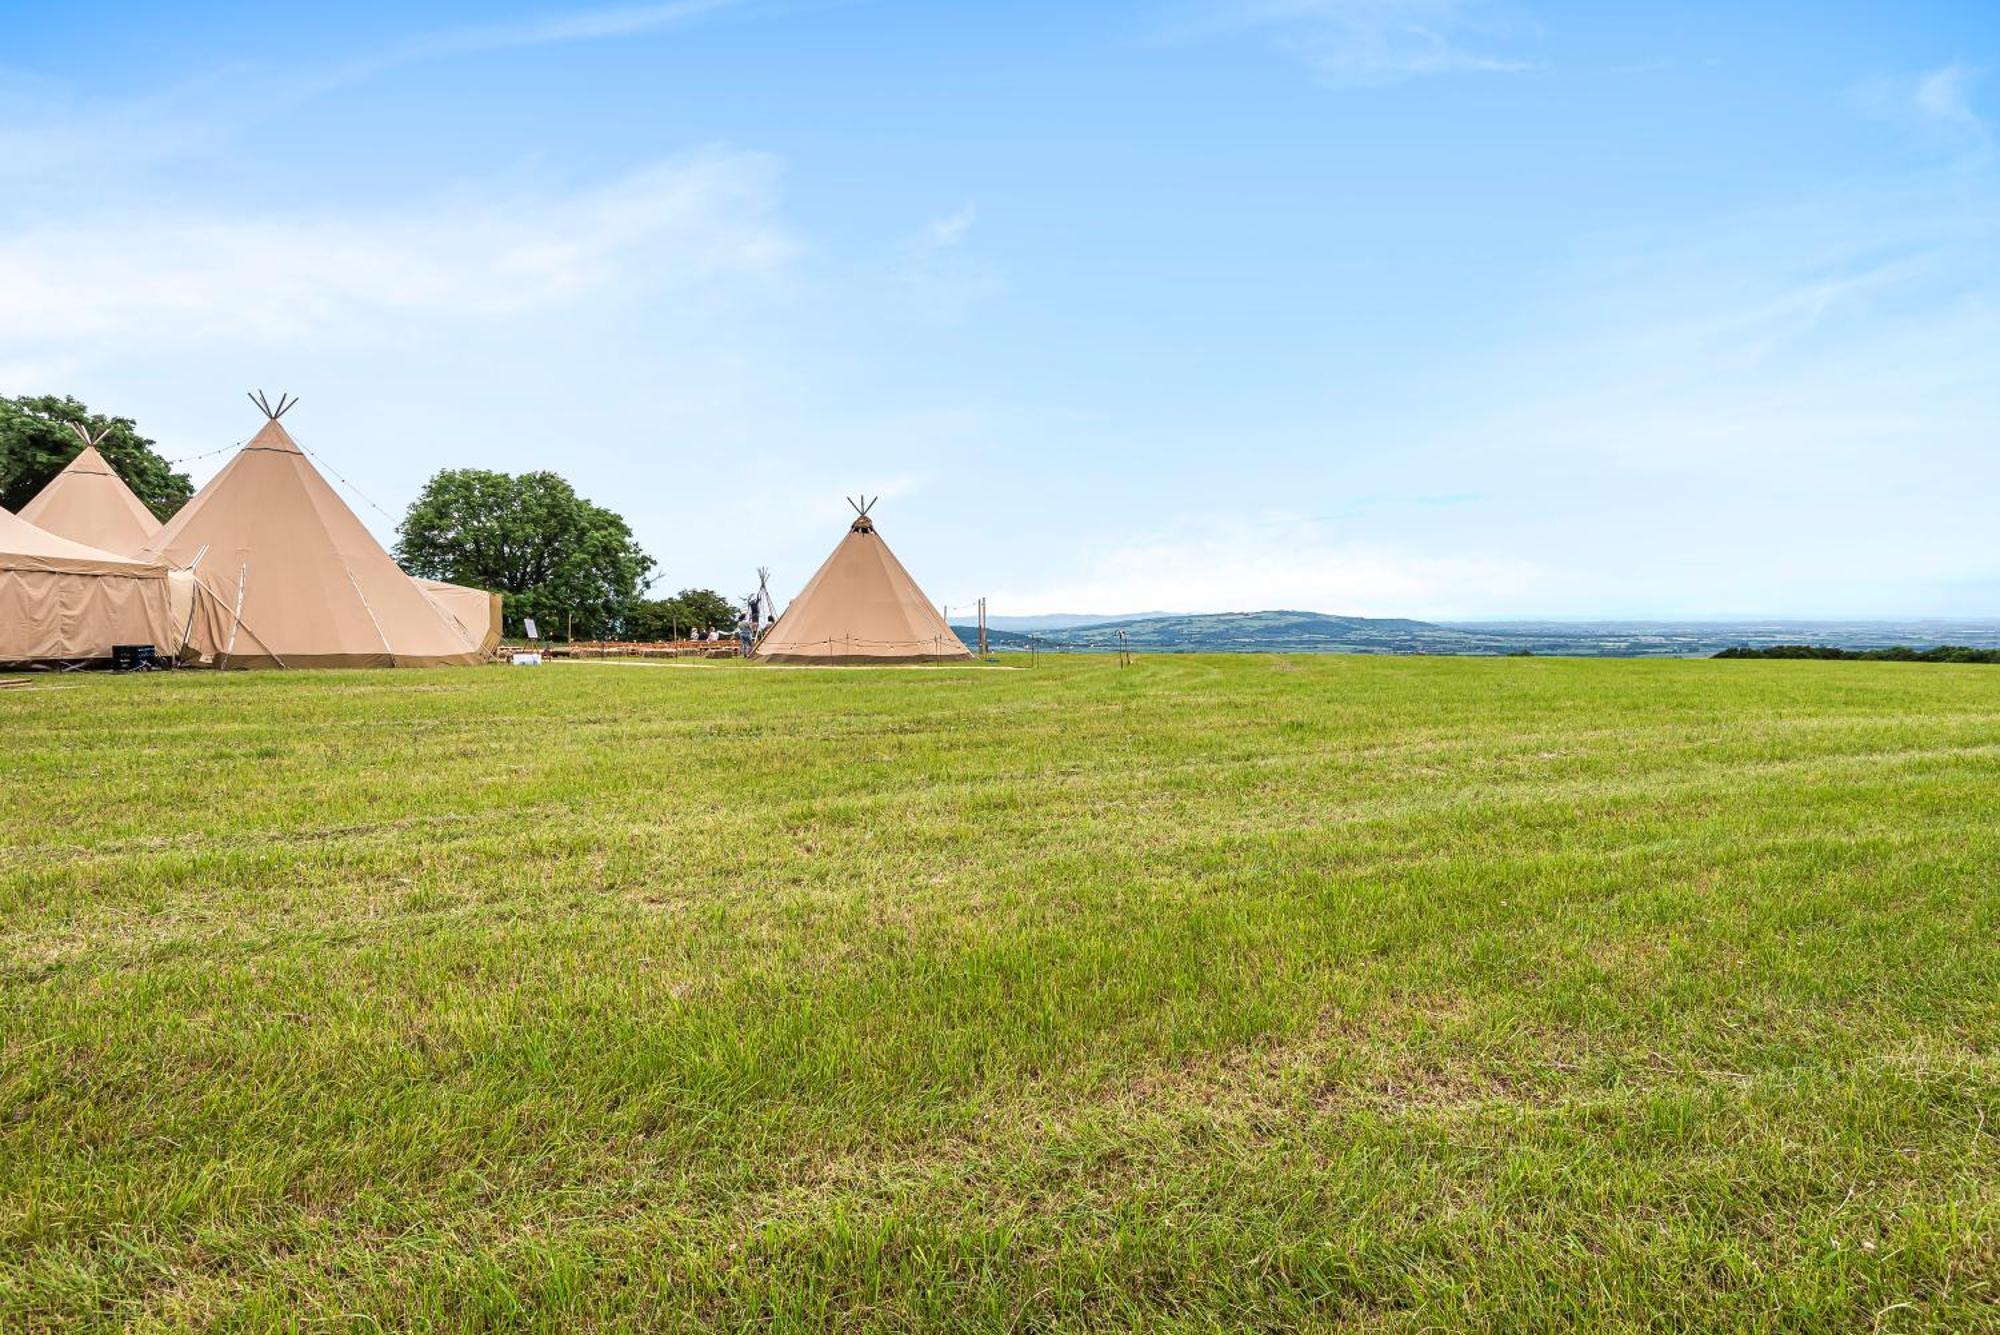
{"x":63,"y":602}
{"x":474,"y":609}
{"x":306,"y":582}
{"x":89,"y":503}
{"x":861,"y":607}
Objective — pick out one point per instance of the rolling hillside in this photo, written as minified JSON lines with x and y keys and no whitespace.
{"x":1291,"y":631}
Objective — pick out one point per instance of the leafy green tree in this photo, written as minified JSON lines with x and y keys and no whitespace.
{"x":36,"y":443}
{"x":1895,"y":653}
{"x":552,"y":554}
{"x":685,"y":613}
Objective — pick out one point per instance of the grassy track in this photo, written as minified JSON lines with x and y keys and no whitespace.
{"x":1213,"y":993}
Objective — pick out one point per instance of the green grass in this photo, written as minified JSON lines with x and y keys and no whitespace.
{"x":1209,"y":994}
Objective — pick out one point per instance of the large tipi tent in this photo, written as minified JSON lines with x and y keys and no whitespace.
{"x":62,"y":602}
{"x":89,"y":503}
{"x":861,"y":606}
{"x":305,"y":582}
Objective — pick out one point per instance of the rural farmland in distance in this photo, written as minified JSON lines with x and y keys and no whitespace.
{"x":1317,"y":632}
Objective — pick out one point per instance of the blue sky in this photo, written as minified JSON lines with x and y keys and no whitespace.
{"x":1400,"y":307}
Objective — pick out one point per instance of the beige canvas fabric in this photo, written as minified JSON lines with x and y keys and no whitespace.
{"x":64,"y":602}
{"x":303,"y":581}
{"x":476,"y":610}
{"x":89,"y":503}
{"x":861,"y":607}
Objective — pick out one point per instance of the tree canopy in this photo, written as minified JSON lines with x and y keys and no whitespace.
{"x":550,"y":553}
{"x":1897,"y":653}
{"x":36,"y":443}
{"x":680,"y":616}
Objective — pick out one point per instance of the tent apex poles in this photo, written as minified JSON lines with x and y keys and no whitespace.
{"x":286,"y":402}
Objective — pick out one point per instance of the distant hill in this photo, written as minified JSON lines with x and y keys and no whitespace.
{"x":1278,"y":630}
{"x":1066,"y":620}
{"x":1287,"y":631}
{"x":1243,"y":632}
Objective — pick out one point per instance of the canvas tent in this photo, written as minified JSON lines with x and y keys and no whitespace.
{"x":861,"y":606}
{"x":476,"y":610}
{"x":89,"y":503}
{"x":304,"y":582}
{"x":62,"y":602}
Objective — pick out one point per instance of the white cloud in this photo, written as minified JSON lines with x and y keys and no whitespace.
{"x":1250,"y":562}
{"x":180,"y":278}
{"x":1935,"y":107}
{"x":1366,"y":42}
{"x":1780,"y":411}
{"x":1946,"y":94}
{"x":49,"y":134}
{"x":51,"y":138}
{"x":1791,"y":416}
{"x":943,"y":233}
{"x":935,"y":282}
{"x":584,"y":25}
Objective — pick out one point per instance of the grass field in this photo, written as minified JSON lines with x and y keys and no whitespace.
{"x":1211,"y":993}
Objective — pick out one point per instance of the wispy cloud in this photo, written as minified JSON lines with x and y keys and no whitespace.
{"x":49,"y":133}
{"x":1827,"y":358}
{"x":1935,"y":106}
{"x":936,"y":281}
{"x":50,"y":136}
{"x":1780,"y":410}
{"x":1946,"y":94}
{"x":1366,"y":42}
{"x":186,"y":277}
{"x":1275,"y":560}
{"x":586,"y":25}
{"x":947,"y":231}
